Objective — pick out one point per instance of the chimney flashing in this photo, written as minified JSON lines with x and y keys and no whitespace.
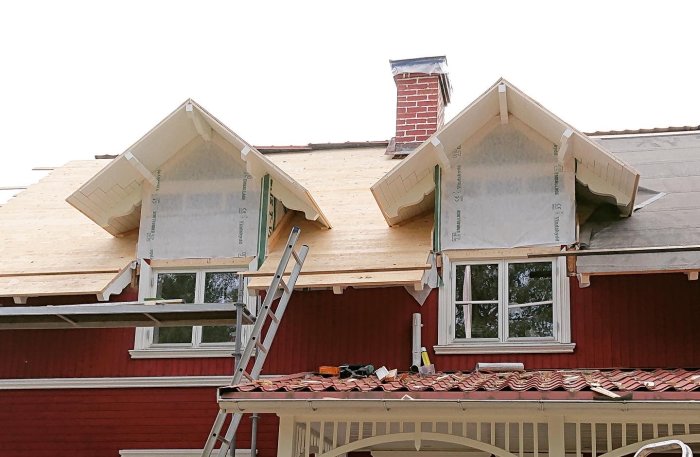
{"x":436,"y":65}
{"x":423,"y":90}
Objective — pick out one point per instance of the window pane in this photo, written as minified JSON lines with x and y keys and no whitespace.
{"x":220,"y":287}
{"x":483,"y":322}
{"x":530,"y":321}
{"x":477,"y":282}
{"x":175,"y":285}
{"x":529,"y":282}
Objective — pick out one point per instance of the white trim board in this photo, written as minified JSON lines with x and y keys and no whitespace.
{"x":172,"y":452}
{"x":115,"y":383}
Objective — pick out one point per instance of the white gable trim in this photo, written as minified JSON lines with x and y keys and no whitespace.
{"x":112,"y":198}
{"x":597,"y":169}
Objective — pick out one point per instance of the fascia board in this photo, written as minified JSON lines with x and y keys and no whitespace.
{"x":156,"y":147}
{"x":411,"y":402}
{"x":614,"y":177}
{"x":387,"y":192}
{"x":618,"y":180}
{"x":292,"y":194}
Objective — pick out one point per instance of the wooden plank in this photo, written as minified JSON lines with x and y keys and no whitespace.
{"x":510,"y":253}
{"x":385,"y":278}
{"x":201,"y":263}
{"x":422,"y":267}
{"x":42,"y":234}
{"x":78,"y":284}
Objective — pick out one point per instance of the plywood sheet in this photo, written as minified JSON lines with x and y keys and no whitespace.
{"x":410,"y":278}
{"x":360,"y":238}
{"x":41,"y":234}
{"x":66,"y":284}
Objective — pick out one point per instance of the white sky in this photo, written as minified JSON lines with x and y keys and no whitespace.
{"x":85,"y":78}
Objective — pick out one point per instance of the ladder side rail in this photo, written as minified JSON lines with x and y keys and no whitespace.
{"x":269,"y":337}
{"x":279,"y":312}
{"x":252,"y":343}
{"x":267,"y":302}
{"x":215,"y":429}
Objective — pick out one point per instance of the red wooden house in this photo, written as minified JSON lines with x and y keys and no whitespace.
{"x":514,"y":237}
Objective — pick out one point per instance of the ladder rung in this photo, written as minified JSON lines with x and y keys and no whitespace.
{"x":260,"y":347}
{"x":296,"y":256}
{"x":284,"y":285}
{"x":273,"y":316}
{"x":247,"y":375}
{"x":221,"y":439}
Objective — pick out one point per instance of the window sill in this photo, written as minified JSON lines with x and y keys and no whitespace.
{"x":507,"y":348}
{"x":180,"y":353}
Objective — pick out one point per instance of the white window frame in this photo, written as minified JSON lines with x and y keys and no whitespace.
{"x":560,"y":342}
{"x":145,"y":348}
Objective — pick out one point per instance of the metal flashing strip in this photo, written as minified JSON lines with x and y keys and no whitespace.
{"x":114,"y":383}
{"x":118,"y":315}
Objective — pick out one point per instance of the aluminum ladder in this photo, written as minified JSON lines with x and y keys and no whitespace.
{"x":279,"y":288}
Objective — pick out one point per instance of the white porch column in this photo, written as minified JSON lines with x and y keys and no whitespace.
{"x":555,"y":432}
{"x":285,"y":437}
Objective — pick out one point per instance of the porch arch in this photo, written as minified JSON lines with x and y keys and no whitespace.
{"x":417,"y":437}
{"x":630,"y":448}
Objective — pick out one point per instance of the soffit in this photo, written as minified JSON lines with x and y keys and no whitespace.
{"x":360,"y":250}
{"x":112,"y":198}
{"x":410,"y":182}
{"x":49,"y":248}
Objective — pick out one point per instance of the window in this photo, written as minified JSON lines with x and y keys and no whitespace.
{"x":501,"y":306}
{"x":201,"y":286}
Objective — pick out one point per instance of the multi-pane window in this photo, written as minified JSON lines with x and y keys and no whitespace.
{"x":501,"y":301}
{"x":196,"y":287}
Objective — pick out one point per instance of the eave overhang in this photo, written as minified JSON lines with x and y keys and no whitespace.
{"x":401,"y":191}
{"x":273,"y":402}
{"x":112,"y":198}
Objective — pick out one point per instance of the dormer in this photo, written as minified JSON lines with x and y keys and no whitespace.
{"x":205,"y":204}
{"x":505,"y":178}
{"x":193,"y":189}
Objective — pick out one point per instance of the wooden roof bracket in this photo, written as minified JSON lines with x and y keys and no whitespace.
{"x":141,"y":168}
{"x":441,"y":154}
{"x":565,"y":149}
{"x":584,"y":280}
{"x":503,"y":103}
{"x":117,"y":285}
{"x":693,"y":275}
{"x":203,"y":129}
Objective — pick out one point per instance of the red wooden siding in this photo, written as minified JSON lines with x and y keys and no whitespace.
{"x":98,"y":423}
{"x":645,"y":321}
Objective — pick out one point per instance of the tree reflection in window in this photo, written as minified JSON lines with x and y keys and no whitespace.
{"x":174,"y":286}
{"x":476,"y":292}
{"x":530,"y":303}
{"x":504,"y":300}
{"x":220,"y":287}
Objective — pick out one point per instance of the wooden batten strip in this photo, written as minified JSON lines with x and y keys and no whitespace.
{"x":58,"y":273}
{"x":260,"y":274}
{"x":205,"y":262}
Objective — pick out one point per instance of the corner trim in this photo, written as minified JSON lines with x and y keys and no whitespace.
{"x":498,"y":348}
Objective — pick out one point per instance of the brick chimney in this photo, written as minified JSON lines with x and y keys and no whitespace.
{"x":423,"y":90}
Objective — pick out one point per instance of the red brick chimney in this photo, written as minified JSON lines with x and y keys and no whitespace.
{"x":423,"y":90}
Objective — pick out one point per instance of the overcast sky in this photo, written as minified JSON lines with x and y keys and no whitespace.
{"x":86,"y":78}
